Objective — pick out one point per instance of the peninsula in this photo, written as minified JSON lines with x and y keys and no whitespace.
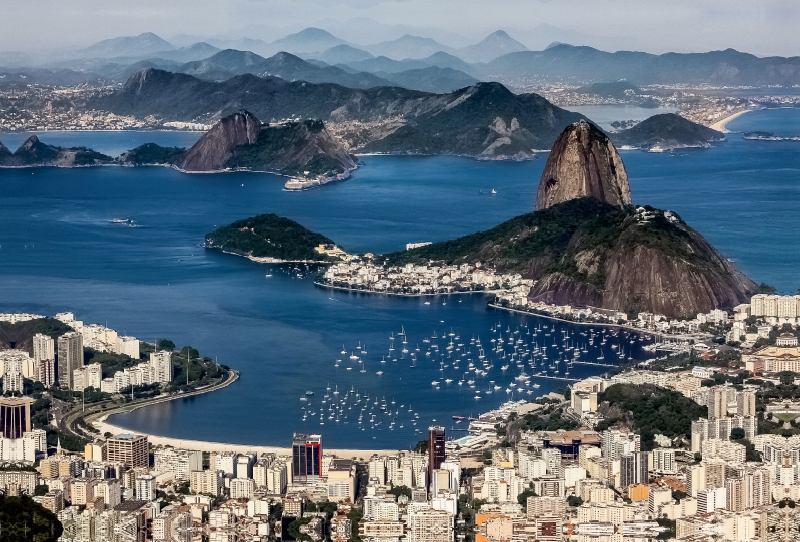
{"x":34,"y":153}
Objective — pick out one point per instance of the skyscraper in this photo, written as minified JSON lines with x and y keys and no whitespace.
{"x":43,"y":348}
{"x":435,"y":449}
{"x":15,"y":416}
{"x":70,"y":357}
{"x":633,"y":469}
{"x":306,"y":457}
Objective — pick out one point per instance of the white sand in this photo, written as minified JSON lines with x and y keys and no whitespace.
{"x":720,"y":124}
{"x":239,"y":448}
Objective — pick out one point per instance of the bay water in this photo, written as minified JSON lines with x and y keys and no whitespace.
{"x":60,"y":251}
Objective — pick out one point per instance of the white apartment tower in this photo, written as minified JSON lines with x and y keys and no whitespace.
{"x":43,"y":347}
{"x":70,"y":357}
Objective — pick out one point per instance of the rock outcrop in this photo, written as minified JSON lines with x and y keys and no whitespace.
{"x":215,"y":147}
{"x":585,"y":252}
{"x":241,"y":142}
{"x":583,"y":163}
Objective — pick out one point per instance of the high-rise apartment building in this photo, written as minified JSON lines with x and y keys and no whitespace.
{"x":43,"y":347}
{"x":46,"y":372}
{"x":436,"y":439}
{"x":70,"y":357}
{"x":306,"y":457}
{"x":146,"y":487}
{"x":633,"y":469}
{"x":664,"y":461}
{"x":430,"y":526}
{"x":130,"y":450}
{"x":617,"y":442}
{"x":161,"y":362}
{"x":206,"y":482}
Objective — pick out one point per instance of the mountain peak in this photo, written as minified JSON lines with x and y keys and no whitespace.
{"x":29,"y":143}
{"x":496,"y":44}
{"x":583,"y":162}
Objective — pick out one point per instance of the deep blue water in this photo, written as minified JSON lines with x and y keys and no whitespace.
{"x":58,"y":251}
{"x":112,"y":143}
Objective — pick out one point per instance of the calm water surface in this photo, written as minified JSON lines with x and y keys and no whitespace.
{"x":58,"y":251}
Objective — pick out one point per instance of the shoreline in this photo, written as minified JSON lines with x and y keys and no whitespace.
{"x":265,"y":259}
{"x":210,"y":446}
{"x":104,"y":426}
{"x":720,"y":125}
{"x":398,"y":294}
{"x":549,"y":317}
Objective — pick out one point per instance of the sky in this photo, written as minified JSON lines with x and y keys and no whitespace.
{"x":763,"y":27}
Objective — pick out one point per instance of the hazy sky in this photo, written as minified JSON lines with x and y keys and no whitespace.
{"x":758,"y":26}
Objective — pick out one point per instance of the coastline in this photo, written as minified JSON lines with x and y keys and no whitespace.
{"x":264,"y":259}
{"x":374,"y":292}
{"x":208,"y":446}
{"x":720,"y":125}
{"x":549,"y":317}
{"x":103,"y":426}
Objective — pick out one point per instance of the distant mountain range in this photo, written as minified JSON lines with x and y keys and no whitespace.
{"x":588,"y":65}
{"x":498,"y":57}
{"x":484,"y":119}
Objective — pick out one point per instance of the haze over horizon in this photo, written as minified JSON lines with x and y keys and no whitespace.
{"x":765,"y":28}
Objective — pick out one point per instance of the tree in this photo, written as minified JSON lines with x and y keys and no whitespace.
{"x":737,"y":433}
{"x":421,"y":447}
{"x":574,"y":500}
{"x":522,"y":498}
{"x":400,"y":490}
{"x":40,"y":490}
{"x":165,"y":344}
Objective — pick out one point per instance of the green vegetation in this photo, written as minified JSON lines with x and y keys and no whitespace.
{"x":269,"y":236}
{"x":522,"y":498}
{"x":354,"y":516}
{"x":150,"y":153}
{"x":283,"y":147}
{"x":201,"y":369}
{"x":294,"y":529}
{"x":650,"y":410}
{"x":545,"y":420}
{"x":552,"y":241}
{"x":617,"y":89}
{"x":667,"y":130}
{"x":49,"y":326}
{"x":400,"y":490}
{"x":22,"y":519}
{"x":670,"y":526}
{"x":110,"y":362}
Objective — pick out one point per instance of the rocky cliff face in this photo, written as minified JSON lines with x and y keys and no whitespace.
{"x":583,"y":162}
{"x":656,"y":265}
{"x":240,"y":141}
{"x":585,"y":252}
{"x":215,"y":147}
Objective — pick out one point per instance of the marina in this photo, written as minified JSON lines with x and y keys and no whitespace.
{"x":508,"y":363}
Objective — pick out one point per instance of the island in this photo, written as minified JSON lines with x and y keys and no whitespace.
{"x":270,"y":238}
{"x":34,"y":153}
{"x":666,"y":132}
